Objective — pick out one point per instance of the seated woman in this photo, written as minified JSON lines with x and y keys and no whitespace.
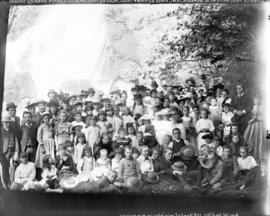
{"x":49,"y":177}
{"x":24,"y":174}
{"x":104,"y":143}
{"x":249,"y":168}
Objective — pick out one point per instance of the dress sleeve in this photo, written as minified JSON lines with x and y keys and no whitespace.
{"x":32,"y":173}
{"x":40,"y":135}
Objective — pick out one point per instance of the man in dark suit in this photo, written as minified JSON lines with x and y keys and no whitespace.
{"x":241,"y":105}
{"x":15,"y":120}
{"x":10,"y":145}
{"x":29,"y":136}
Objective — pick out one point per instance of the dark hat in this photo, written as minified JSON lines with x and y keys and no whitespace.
{"x":52,"y":91}
{"x":105,"y":99}
{"x":10,"y":105}
{"x":151,"y":177}
{"x":134,"y":88}
{"x":187,"y":152}
{"x":78,"y":103}
{"x":207,"y":136}
{"x":91,"y":90}
{"x":154,"y":83}
{"x":101,"y":112}
{"x":191,"y":79}
{"x":219,"y":85}
{"x":53,"y":103}
{"x":226,"y":104}
{"x":137,"y":96}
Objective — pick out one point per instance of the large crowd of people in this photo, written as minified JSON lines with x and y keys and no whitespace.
{"x":198,"y":133}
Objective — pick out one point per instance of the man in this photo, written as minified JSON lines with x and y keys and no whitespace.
{"x":29,"y":136}
{"x":52,"y":94}
{"x":10,"y":148}
{"x":41,"y":106}
{"x":241,"y":105}
{"x":15,"y":120}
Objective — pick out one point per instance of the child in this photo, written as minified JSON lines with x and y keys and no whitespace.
{"x":136,"y":153}
{"x":102,"y":122}
{"x":227,"y":116}
{"x":122,"y":140}
{"x":231,"y":168}
{"x":78,"y":149}
{"x":235,"y":145}
{"x":76,"y":130}
{"x":103,"y":161}
{"x":208,"y":138}
{"x":24,"y":174}
{"x":249,"y":167}
{"x":78,"y":120}
{"x":127,"y":118}
{"x":63,"y":129}
{"x":45,"y":140}
{"x":215,"y":114}
{"x":128,"y":167}
{"x":118,"y":155}
{"x":131,"y":134}
{"x":138,"y":107}
{"x":140,"y":138}
{"x":64,"y":162}
{"x":87,"y":163}
{"x":203,"y":126}
{"x":190,"y":128}
{"x":29,"y":136}
{"x":92,"y":133}
{"x":104,"y":143}
{"x":49,"y":177}
{"x":254,"y":135}
{"x":149,"y":137}
{"x":145,"y":161}
{"x":114,"y":119}
{"x":177,"y":142}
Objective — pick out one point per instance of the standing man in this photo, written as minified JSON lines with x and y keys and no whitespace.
{"x":15,"y":120}
{"x":241,"y":104}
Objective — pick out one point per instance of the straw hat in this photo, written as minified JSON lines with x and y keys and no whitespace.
{"x":69,"y":182}
{"x":179,"y":166}
{"x":187,"y":152}
{"x":133,"y":183}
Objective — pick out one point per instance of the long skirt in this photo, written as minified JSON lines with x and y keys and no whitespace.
{"x":49,"y":147}
{"x":254,"y":137}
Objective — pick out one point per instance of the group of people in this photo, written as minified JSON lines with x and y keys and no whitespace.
{"x":200,"y":134}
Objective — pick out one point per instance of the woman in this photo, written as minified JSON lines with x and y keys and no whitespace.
{"x":45,"y":140}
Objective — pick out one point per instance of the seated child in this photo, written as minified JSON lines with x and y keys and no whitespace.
{"x":121,"y":140}
{"x":24,"y":174}
{"x":87,"y":163}
{"x":118,"y":155}
{"x":166,"y":141}
{"x":103,"y":161}
{"x":78,"y":150}
{"x":140,"y":139}
{"x":177,"y":142}
{"x":145,"y":161}
{"x":248,"y":166}
{"x":149,"y":137}
{"x":64,"y":161}
{"x":132,"y":135}
{"x":235,"y":144}
{"x":128,"y":166}
{"x":49,"y":177}
{"x":231,"y":168}
{"x":136,"y":153}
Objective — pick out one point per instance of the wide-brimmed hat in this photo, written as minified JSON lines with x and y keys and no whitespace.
{"x":53,"y":103}
{"x":31,"y":103}
{"x":6,"y":118}
{"x":187,"y":152}
{"x":69,"y":182}
{"x":77,"y":124}
{"x":133,"y":183}
{"x":191,"y":79}
{"x":10,"y":105}
{"x":146,"y":117}
{"x":45,"y":114}
{"x":179,"y":166}
{"x":115,"y":91}
{"x":164,"y":112}
{"x":188,"y":95}
{"x":41,"y":101}
{"x":151,"y":177}
{"x":78,"y":103}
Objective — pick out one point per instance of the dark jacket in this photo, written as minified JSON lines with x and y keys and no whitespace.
{"x":9,"y":140}
{"x":29,"y":137}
